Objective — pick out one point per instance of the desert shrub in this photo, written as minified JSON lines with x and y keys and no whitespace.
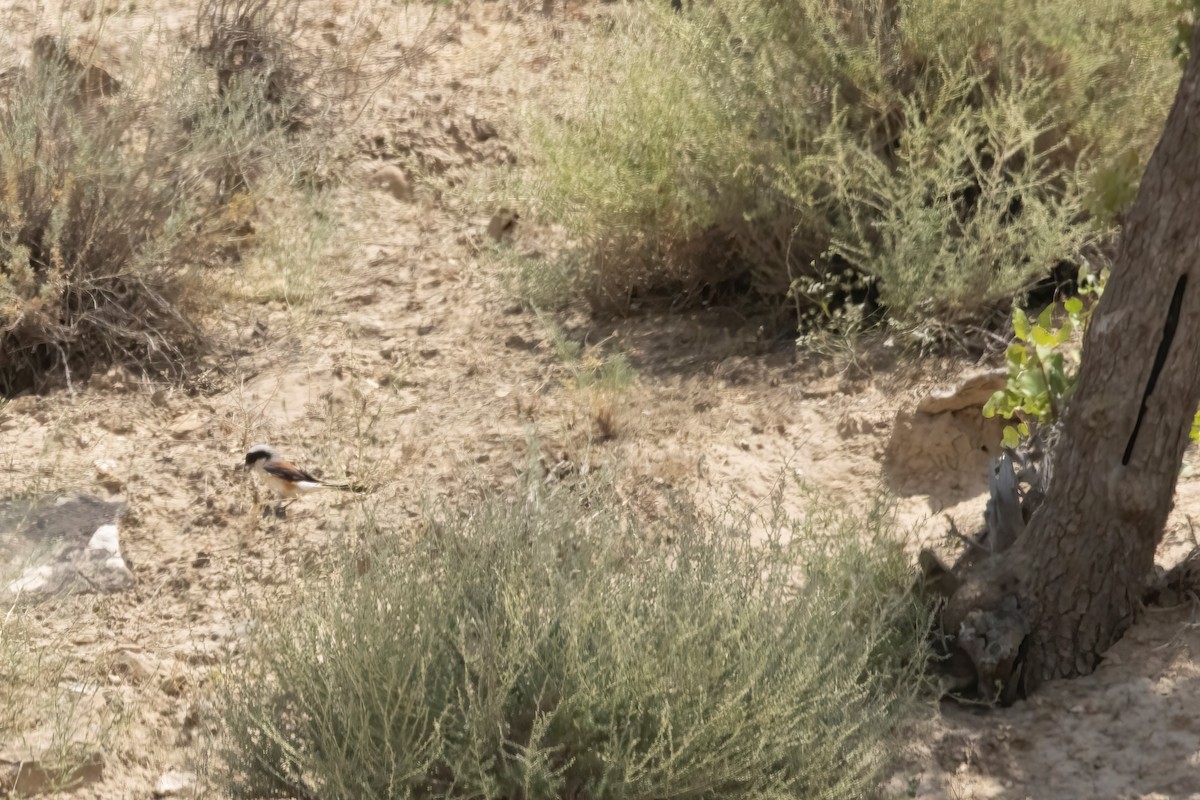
{"x":116,"y":195}
{"x":110,"y":207}
{"x":948,"y":154}
{"x":92,"y":232}
{"x":967,"y":214}
{"x":554,"y":647}
{"x":270,"y":82}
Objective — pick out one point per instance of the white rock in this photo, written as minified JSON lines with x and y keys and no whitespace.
{"x":174,"y":784}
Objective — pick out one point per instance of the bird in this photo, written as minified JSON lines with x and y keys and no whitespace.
{"x":284,"y":478}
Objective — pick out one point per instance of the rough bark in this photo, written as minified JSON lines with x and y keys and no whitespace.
{"x":1072,"y":583}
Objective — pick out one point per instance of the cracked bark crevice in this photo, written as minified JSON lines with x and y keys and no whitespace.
{"x":1170,"y":325}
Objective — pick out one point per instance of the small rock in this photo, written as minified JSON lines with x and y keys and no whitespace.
{"x":365,"y":297}
{"x":560,"y":470}
{"x":116,"y":425}
{"x":482,"y":129}
{"x":173,"y":685}
{"x":392,"y":179}
{"x":174,"y":784}
{"x":519,"y":342}
{"x":371,"y":327}
{"x":852,"y":424}
{"x":187,"y":426}
{"x":114,"y":379}
{"x":106,"y":473}
{"x":973,"y":391}
{"x":204,"y":653}
{"x":502,"y":224}
{"x":134,"y":666}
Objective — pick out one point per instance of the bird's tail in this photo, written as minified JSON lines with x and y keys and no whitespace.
{"x":357,"y":488}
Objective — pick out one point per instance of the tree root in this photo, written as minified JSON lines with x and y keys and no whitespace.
{"x":982,"y":634}
{"x":981,"y":637}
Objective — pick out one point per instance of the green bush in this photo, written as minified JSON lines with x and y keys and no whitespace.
{"x":949,"y":153}
{"x":553,"y":647}
{"x":1043,"y":361}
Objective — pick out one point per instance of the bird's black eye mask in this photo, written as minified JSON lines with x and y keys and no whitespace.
{"x":256,"y":456}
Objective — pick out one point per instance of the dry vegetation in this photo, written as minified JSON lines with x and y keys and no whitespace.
{"x":928,"y":160}
{"x":600,"y":556}
{"x":551,"y":648}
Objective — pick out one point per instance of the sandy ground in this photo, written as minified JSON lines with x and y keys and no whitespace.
{"x":409,"y":368}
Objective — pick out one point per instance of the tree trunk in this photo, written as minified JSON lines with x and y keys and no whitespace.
{"x":1072,"y":583}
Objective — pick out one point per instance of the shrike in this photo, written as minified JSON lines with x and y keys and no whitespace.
{"x":283,"y":477}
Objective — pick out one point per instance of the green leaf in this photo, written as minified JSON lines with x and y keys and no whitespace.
{"x":1073,"y":305}
{"x":1010,"y":438}
{"x":1020,"y":324}
{"x":1056,"y":376}
{"x":1046,"y":318}
{"x":1036,"y":407}
{"x":993,"y":403}
{"x":1031,"y":383}
{"x":1016,"y":355}
{"x":1023,"y":429}
{"x":1043,"y":337}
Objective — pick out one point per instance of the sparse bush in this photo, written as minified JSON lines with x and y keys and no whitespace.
{"x":109,"y":210}
{"x":94,"y":229}
{"x":116,"y":194}
{"x":951,"y":155}
{"x":552,"y":647}
{"x":967,"y":213}
{"x":271,"y":84}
